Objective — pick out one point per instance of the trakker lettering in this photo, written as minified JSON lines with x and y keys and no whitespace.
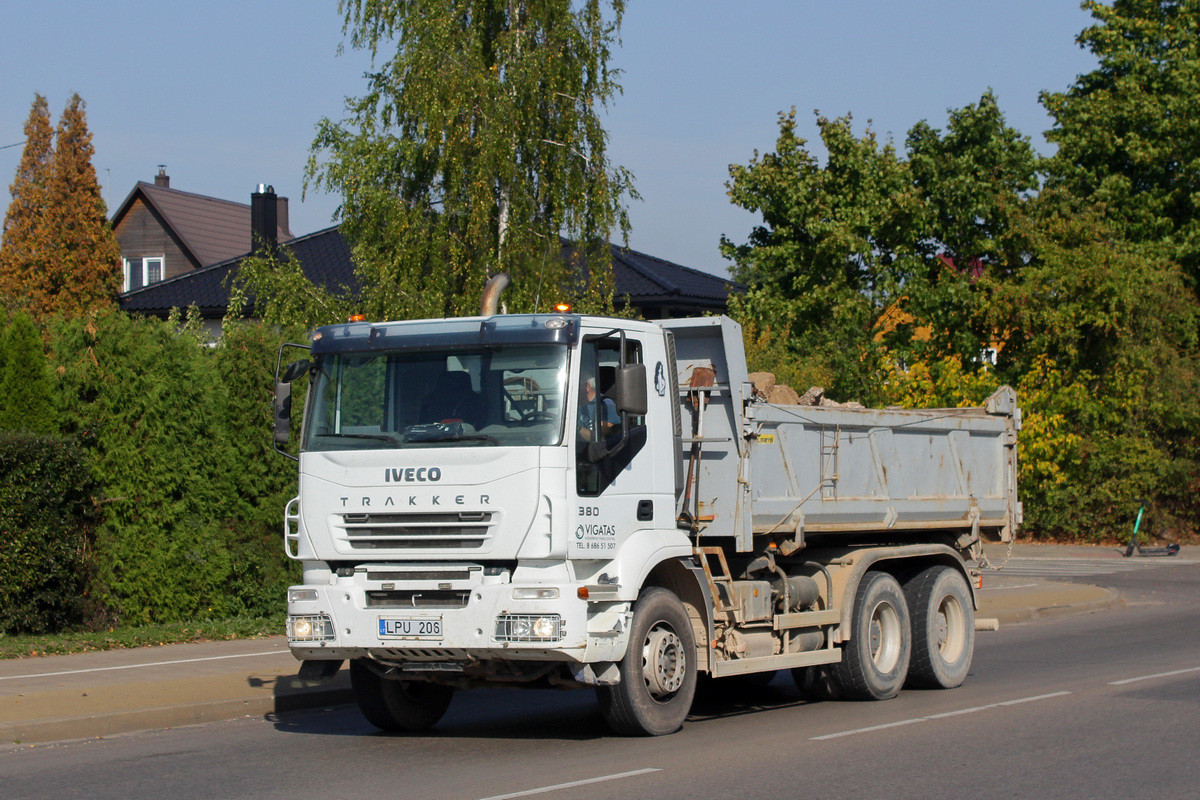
{"x":412,"y":475}
{"x":411,"y":500}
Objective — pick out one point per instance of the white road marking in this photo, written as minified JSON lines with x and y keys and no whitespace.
{"x":1041,"y":567}
{"x":1157,"y":675}
{"x":573,"y":784}
{"x":1019,"y":586}
{"x":138,"y":666}
{"x":945,"y":715}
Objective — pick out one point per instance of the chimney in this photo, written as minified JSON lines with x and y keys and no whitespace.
{"x":281,"y":214}
{"x":264,"y":219}
{"x":162,"y":178}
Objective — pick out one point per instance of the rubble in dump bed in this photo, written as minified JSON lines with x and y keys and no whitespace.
{"x":766,"y":389}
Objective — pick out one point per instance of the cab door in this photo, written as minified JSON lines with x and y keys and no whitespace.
{"x":616,"y":489}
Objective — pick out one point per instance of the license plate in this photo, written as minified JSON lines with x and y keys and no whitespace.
{"x":410,"y":627}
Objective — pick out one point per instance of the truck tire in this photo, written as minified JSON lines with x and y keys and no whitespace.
{"x":875,"y":661}
{"x":943,"y":627}
{"x":393,"y":705}
{"x":658,"y":672}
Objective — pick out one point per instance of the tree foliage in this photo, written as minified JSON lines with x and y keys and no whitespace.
{"x":178,"y":435}
{"x":59,"y":254}
{"x":477,"y":145}
{"x":872,"y":251}
{"x":47,"y":515}
{"x":1101,"y":340}
{"x":25,"y":236}
{"x":1128,"y":133}
{"x":27,"y":401}
{"x":884,"y":276}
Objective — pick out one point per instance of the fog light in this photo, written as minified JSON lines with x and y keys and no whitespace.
{"x":529,"y":628}
{"x":310,"y":628}
{"x":535,"y":594}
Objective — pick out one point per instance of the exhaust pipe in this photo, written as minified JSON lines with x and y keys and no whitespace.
{"x":491,"y":294}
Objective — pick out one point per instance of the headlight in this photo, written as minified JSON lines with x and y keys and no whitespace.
{"x":310,"y":628}
{"x":529,"y":628}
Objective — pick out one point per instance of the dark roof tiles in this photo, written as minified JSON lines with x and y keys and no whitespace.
{"x":325,"y":257}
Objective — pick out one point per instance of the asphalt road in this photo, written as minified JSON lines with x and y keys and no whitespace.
{"x":1096,"y":705}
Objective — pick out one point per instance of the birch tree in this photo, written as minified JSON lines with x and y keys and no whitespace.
{"x":477,"y":148}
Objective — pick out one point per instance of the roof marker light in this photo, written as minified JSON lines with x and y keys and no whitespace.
{"x":358,"y":318}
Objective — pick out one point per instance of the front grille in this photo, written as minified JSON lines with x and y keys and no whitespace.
{"x":465,"y":530}
{"x":440,"y":575}
{"x":417,"y":599}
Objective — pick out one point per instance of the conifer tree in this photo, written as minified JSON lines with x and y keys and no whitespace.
{"x":85,"y":269}
{"x":59,"y":254}
{"x":23,"y":246}
{"x":26,"y":391}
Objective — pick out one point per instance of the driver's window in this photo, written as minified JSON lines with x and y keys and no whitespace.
{"x":606,"y":440}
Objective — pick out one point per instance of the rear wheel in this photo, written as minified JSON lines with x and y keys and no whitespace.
{"x":658,"y":672}
{"x":393,"y":705}
{"x":943,"y":626}
{"x":875,"y":661}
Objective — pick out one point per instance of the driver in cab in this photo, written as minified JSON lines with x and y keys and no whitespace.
{"x":592,"y":404}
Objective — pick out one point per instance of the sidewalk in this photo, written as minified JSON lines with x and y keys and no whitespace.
{"x":103,"y":693}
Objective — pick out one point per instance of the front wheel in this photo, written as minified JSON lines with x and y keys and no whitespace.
{"x":658,"y":672}
{"x":875,"y":661}
{"x":393,"y":705}
{"x":943,"y":625}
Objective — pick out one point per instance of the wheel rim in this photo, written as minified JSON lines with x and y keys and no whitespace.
{"x":950,"y":628}
{"x":885,"y":637}
{"x":664,"y":665}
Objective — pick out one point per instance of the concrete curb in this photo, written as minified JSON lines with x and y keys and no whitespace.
{"x":1098,"y":599}
{"x":190,"y":713}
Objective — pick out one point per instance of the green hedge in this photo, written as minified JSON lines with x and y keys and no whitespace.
{"x":179,"y":439}
{"x":47,"y":515}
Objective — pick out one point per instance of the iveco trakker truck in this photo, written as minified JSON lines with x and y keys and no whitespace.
{"x":578,"y":501}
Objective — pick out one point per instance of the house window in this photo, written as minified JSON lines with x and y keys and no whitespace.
{"x":141,"y":272}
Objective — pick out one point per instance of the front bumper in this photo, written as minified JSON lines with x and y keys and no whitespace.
{"x":462,"y":615}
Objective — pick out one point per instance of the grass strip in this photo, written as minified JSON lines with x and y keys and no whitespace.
{"x":30,"y":645}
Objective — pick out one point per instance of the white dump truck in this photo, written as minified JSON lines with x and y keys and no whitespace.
{"x":579,"y":501}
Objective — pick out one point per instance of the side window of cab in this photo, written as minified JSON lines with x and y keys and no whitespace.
{"x":607,"y":438}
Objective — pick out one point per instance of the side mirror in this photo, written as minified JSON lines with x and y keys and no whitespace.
{"x":628,"y":391}
{"x":283,"y":411}
{"x":294,"y":370}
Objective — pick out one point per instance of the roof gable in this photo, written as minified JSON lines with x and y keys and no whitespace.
{"x":210,"y":229}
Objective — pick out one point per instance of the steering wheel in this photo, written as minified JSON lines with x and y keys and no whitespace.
{"x":538,"y":416}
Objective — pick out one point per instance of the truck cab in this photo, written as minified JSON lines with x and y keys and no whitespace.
{"x":480,"y":498}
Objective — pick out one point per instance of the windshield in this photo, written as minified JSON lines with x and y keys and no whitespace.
{"x":511,"y":395}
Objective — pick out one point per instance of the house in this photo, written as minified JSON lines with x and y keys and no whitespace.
{"x":154,"y":216}
{"x":164,"y":233}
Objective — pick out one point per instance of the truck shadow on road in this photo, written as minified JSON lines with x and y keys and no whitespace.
{"x":538,"y":714}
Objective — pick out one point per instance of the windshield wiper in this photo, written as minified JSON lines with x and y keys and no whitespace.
{"x":379,"y":437}
{"x":456,"y":437}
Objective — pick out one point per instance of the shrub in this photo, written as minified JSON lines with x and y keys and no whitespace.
{"x":47,"y":514}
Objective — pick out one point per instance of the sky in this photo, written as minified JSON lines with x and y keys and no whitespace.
{"x":227,"y":94}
